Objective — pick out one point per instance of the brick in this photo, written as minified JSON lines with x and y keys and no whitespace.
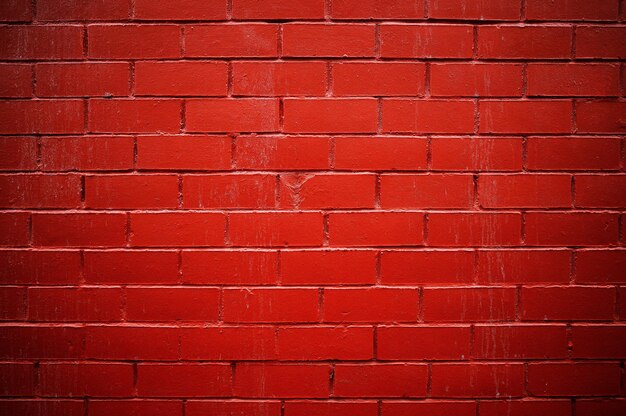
{"x":477,"y":380}
{"x":571,"y":229}
{"x":526,"y":407}
{"x":125,"y":267}
{"x":131,"y":343}
{"x":179,"y":304}
{"x":109,"y":380}
{"x":55,"y":10}
{"x":380,"y":380}
{"x":325,"y":343}
{"x":327,"y":267}
{"x":15,"y":227}
{"x":525,"y":191}
{"x":426,"y":191}
{"x":576,"y":379}
{"x":571,"y":10}
{"x":600,"y":42}
{"x":16,"y":80}
{"x":33,"y":342}
{"x":135,"y":407}
{"x":181,"y":78}
{"x":378,"y":9}
{"x":270,"y":305}
{"x":378,"y":79}
{"x":567,"y":303}
{"x":389,"y":153}
{"x":477,"y":154}
{"x":16,"y":11}
{"x":239,"y":41}
{"x":14,"y":301}
{"x":427,"y":116}
{"x":324,"y":40}
{"x":622,"y":306}
{"x":229,"y":343}
{"x":41,"y":266}
{"x":232,"y":407}
{"x":476,"y":80}
{"x":432,"y":408}
{"x":329,"y":408}
{"x":520,"y":342}
{"x":134,"y":116}
{"x":189,"y":152}
{"x":376,"y":228}
{"x":74,"y":305}
{"x":133,"y":41}
{"x":41,"y":42}
{"x":17,"y":379}
{"x":282,"y":380}
{"x":282,"y":153}
{"x":180,"y":10}
{"x":39,"y":191}
{"x":523,"y":266}
{"x":600,"y":407}
{"x":370,"y":305}
{"x":232,"y":115}
{"x":184,"y":380}
{"x":554,"y":116}
{"x":426,"y":41}
{"x":476,"y":10}
{"x":229,"y":267}
{"x":423,"y":343}
{"x":271,"y":79}
{"x":79,"y":230}
{"x":229,"y":191}
{"x":177,"y":229}
{"x":469,"y":304}
{"x":595,"y":80}
{"x":465,"y":229}
{"x":524,"y":42}
{"x":52,"y":407}
{"x":600,"y":116}
{"x":324,"y":115}
{"x":595,"y":191}
{"x":82,"y":79}
{"x":276,"y":229}
{"x":573,"y":153}
{"x":26,"y":117}
{"x":585,"y":341}
{"x":276,"y":9}
{"x":86,"y":153}
{"x":601,"y":266}
{"x":131,"y":191}
{"x":327,"y":191}
{"x":426,"y":267}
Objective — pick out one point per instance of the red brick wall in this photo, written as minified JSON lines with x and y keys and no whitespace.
{"x":312,"y":207}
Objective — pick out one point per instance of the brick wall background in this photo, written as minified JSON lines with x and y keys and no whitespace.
{"x":312,"y":207}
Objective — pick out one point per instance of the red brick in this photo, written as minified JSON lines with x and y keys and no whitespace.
{"x":229,"y":343}
{"x":232,"y":115}
{"x":478,"y":154}
{"x":325,"y":343}
{"x":17,"y":379}
{"x":465,"y":229}
{"x":131,"y":191}
{"x":327,"y":191}
{"x":239,"y":41}
{"x":428,"y":116}
{"x":175,"y":304}
{"x":327,"y":267}
{"x":282,"y":153}
{"x":520,"y":342}
{"x":524,"y":42}
{"x":187,"y":152}
{"x":600,"y":116}
{"x":389,"y":153}
{"x":270,"y":305}
{"x":229,"y":267}
{"x":376,"y":228}
{"x":82,"y":79}
{"x":135,"y":407}
{"x":378,"y":79}
{"x":586,"y":341}
{"x":125,"y":267}
{"x":134,"y":116}
{"x":276,"y":229}
{"x":330,"y":408}
{"x":52,"y":407}
{"x":59,"y":10}
{"x":525,"y":191}
{"x":33,"y":342}
{"x":601,"y":266}
{"x":229,"y":191}
{"x":133,"y":41}
{"x":132,"y":343}
{"x":74,"y":305}
{"x":426,"y":191}
{"x":426,"y":41}
{"x":16,"y":11}
{"x":39,"y":191}
{"x":15,"y":229}
{"x":571,"y":10}
{"x":41,"y":42}
{"x":42,"y":116}
{"x":573,"y":153}
{"x":571,"y":229}
{"x":431,"y":408}
{"x":576,"y":379}
{"x":523,"y":266}
{"x":184,"y":380}
{"x":426,"y":267}
{"x":526,"y":407}
{"x":370,"y":305}
{"x":16,"y":80}
{"x":181,"y":78}
{"x":232,"y":407}
{"x":177,"y":229}
{"x":324,"y":115}
{"x":475,"y":10}
{"x":567,"y":303}
{"x":477,"y":380}
{"x":378,"y":9}
{"x":600,"y":41}
{"x":573,"y":80}
{"x":272,"y":79}
{"x":380,"y":380}
{"x":606,"y":407}
{"x":469,"y":304}
{"x":79,"y":230}
{"x":553,"y":116}
{"x":622,"y":305}
{"x":282,"y":380}
{"x":595,"y":191}
{"x":14,"y":303}
{"x":325,"y":40}
{"x":180,"y":10}
{"x":41,"y":266}
{"x":469,"y":80}
{"x":108,"y":380}
{"x":423,"y":343}
{"x":277,"y":9}
{"x":86,"y":153}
